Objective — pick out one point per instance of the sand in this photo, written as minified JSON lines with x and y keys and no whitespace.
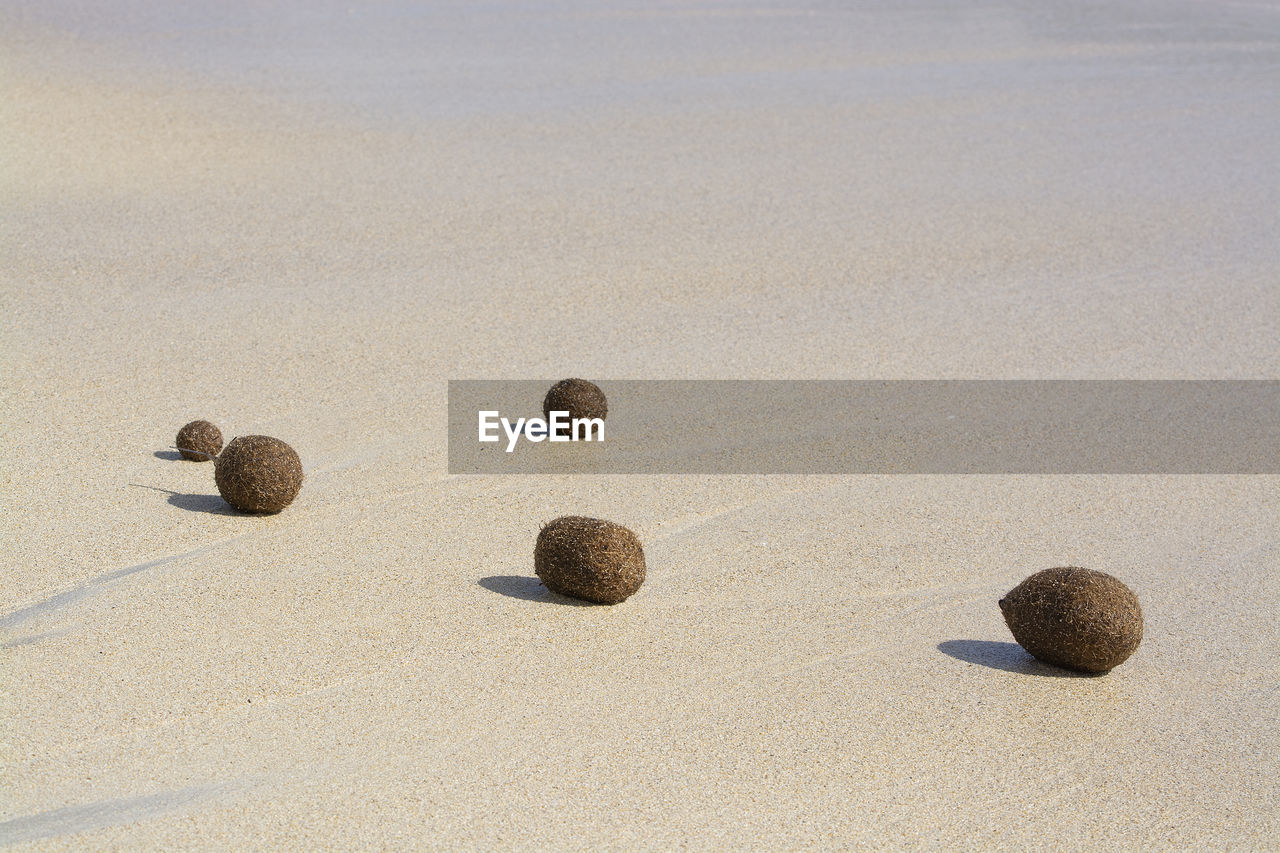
{"x":303,"y":223}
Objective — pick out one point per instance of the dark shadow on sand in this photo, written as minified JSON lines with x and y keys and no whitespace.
{"x":1009,"y":657}
{"x":202,"y":503}
{"x":528,"y":589}
{"x":170,"y":455}
{"x":194,"y":503}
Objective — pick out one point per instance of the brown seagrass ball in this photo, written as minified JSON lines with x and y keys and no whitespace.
{"x":258,"y":474}
{"x":578,"y":397}
{"x":1074,"y":618}
{"x":589,"y":558}
{"x":199,"y":441}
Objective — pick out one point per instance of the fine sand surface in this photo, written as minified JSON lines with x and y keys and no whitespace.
{"x":302,"y":219}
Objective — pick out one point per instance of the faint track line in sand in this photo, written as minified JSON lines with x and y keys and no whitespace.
{"x":72,"y":820}
{"x":781,"y":666}
{"x":703,"y":519}
{"x":97,"y":585}
{"x":946,"y":600}
{"x":100,"y":583}
{"x":31,"y":638}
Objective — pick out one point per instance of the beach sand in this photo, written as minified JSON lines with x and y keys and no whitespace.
{"x":304,"y":223}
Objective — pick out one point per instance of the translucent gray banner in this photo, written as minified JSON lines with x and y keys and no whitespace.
{"x":879,"y":427}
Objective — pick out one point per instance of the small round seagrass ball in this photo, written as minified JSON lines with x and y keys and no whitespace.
{"x":258,"y":473}
{"x":1074,"y":618}
{"x":199,"y":441}
{"x":589,"y":558}
{"x":578,"y":397}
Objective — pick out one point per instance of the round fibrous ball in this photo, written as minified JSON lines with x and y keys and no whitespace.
{"x":1074,"y":618}
{"x":258,"y":473}
{"x":199,"y":441}
{"x":589,"y":558}
{"x":578,"y":397}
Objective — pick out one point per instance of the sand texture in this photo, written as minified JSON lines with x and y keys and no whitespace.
{"x":301,"y":219}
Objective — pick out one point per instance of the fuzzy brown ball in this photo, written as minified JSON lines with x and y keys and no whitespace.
{"x":258,"y":473}
{"x":589,"y":558}
{"x":202,"y":437}
{"x":1074,"y":618}
{"x":578,"y":397}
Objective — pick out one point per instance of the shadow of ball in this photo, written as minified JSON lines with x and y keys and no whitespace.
{"x":199,"y":441}
{"x":258,"y":474}
{"x":589,"y":558}
{"x":578,"y":397}
{"x":1074,"y":618}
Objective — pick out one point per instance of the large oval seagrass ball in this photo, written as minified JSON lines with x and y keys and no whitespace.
{"x":199,"y":441}
{"x":1074,"y":618}
{"x":589,"y":558}
{"x":258,"y":473}
{"x":578,"y":397}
